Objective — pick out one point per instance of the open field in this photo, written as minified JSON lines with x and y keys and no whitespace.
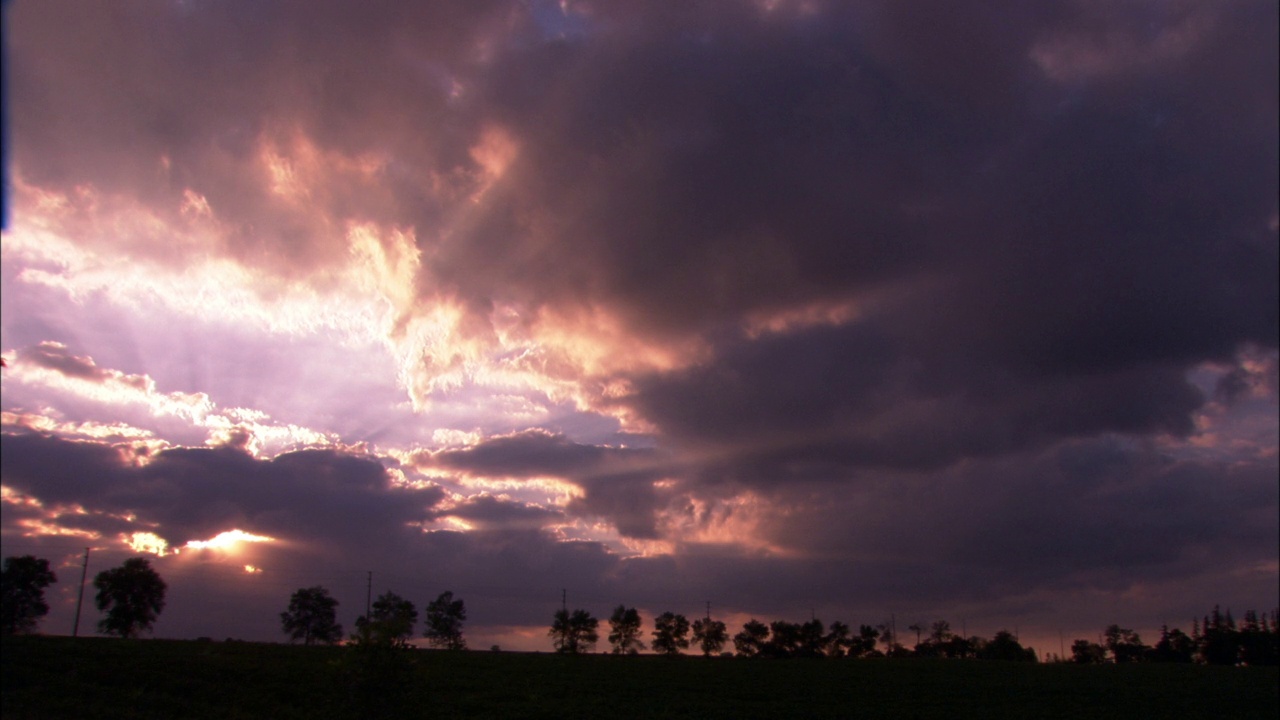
{"x":105,"y":678}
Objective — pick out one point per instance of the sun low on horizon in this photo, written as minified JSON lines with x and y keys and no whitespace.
{"x":856,"y":309}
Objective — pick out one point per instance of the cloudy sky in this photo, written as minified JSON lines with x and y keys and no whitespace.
{"x":922,"y":310}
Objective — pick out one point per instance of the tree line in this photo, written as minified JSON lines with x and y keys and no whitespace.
{"x":133,"y":595}
{"x":312,"y":618}
{"x":577,"y":632}
{"x":1215,"y":640}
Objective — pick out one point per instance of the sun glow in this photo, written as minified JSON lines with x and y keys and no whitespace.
{"x":228,"y":540}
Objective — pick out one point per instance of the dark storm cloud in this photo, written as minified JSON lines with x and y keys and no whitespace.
{"x":529,"y":454}
{"x":833,"y":399}
{"x":684,"y":174}
{"x":1035,"y":258}
{"x":1098,"y":511}
{"x":196,"y":493}
{"x":618,"y":483}
{"x":334,"y":517}
{"x":1101,"y":516}
{"x":486,"y":511}
{"x":684,"y":167}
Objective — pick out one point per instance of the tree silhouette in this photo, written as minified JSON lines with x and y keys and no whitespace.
{"x":311,"y":617}
{"x":1174,"y":646}
{"x":837,"y":641}
{"x":751,"y":641}
{"x":23,"y":581}
{"x":811,"y":639}
{"x":888,"y":637}
{"x":624,"y":631}
{"x":444,"y":622}
{"x":1218,"y":643}
{"x":1259,"y":643}
{"x":1124,"y":644}
{"x":1004,"y":646}
{"x":132,"y":595}
{"x":710,"y":635}
{"x":784,"y":639}
{"x":573,"y":633}
{"x":958,"y":646}
{"x":1084,"y":652}
{"x":864,"y":643}
{"x":670,"y":633}
{"x":390,"y":621}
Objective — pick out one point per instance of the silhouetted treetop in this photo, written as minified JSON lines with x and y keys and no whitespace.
{"x":132,"y":595}
{"x":573,"y":632}
{"x":624,"y":631}
{"x":445,"y":617}
{"x":22,"y":584}
{"x":311,"y":617}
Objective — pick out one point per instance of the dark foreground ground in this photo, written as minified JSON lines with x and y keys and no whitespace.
{"x":103,"y":678}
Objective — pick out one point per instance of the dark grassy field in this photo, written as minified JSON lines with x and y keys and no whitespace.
{"x":103,"y":678}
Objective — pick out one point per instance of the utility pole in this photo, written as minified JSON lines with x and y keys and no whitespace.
{"x":708,"y":612}
{"x":564,"y":601}
{"x":368,"y":596}
{"x":84,"y":572}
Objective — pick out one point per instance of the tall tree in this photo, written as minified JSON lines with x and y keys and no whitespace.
{"x":784,"y":639}
{"x":1124,"y":644}
{"x":573,"y":632}
{"x":837,"y":641}
{"x":1258,"y":641}
{"x":132,"y":595}
{"x":444,"y":622}
{"x":670,"y":633}
{"x":1004,"y":646}
{"x":390,"y":620}
{"x":624,"y":631}
{"x":311,"y":617}
{"x":1219,"y":642}
{"x":811,"y":639}
{"x":23,"y":580}
{"x":710,"y":635}
{"x":864,"y":644}
{"x":1174,"y":646}
{"x":751,"y":641}
{"x":1085,"y":652}
{"x":958,"y":646}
